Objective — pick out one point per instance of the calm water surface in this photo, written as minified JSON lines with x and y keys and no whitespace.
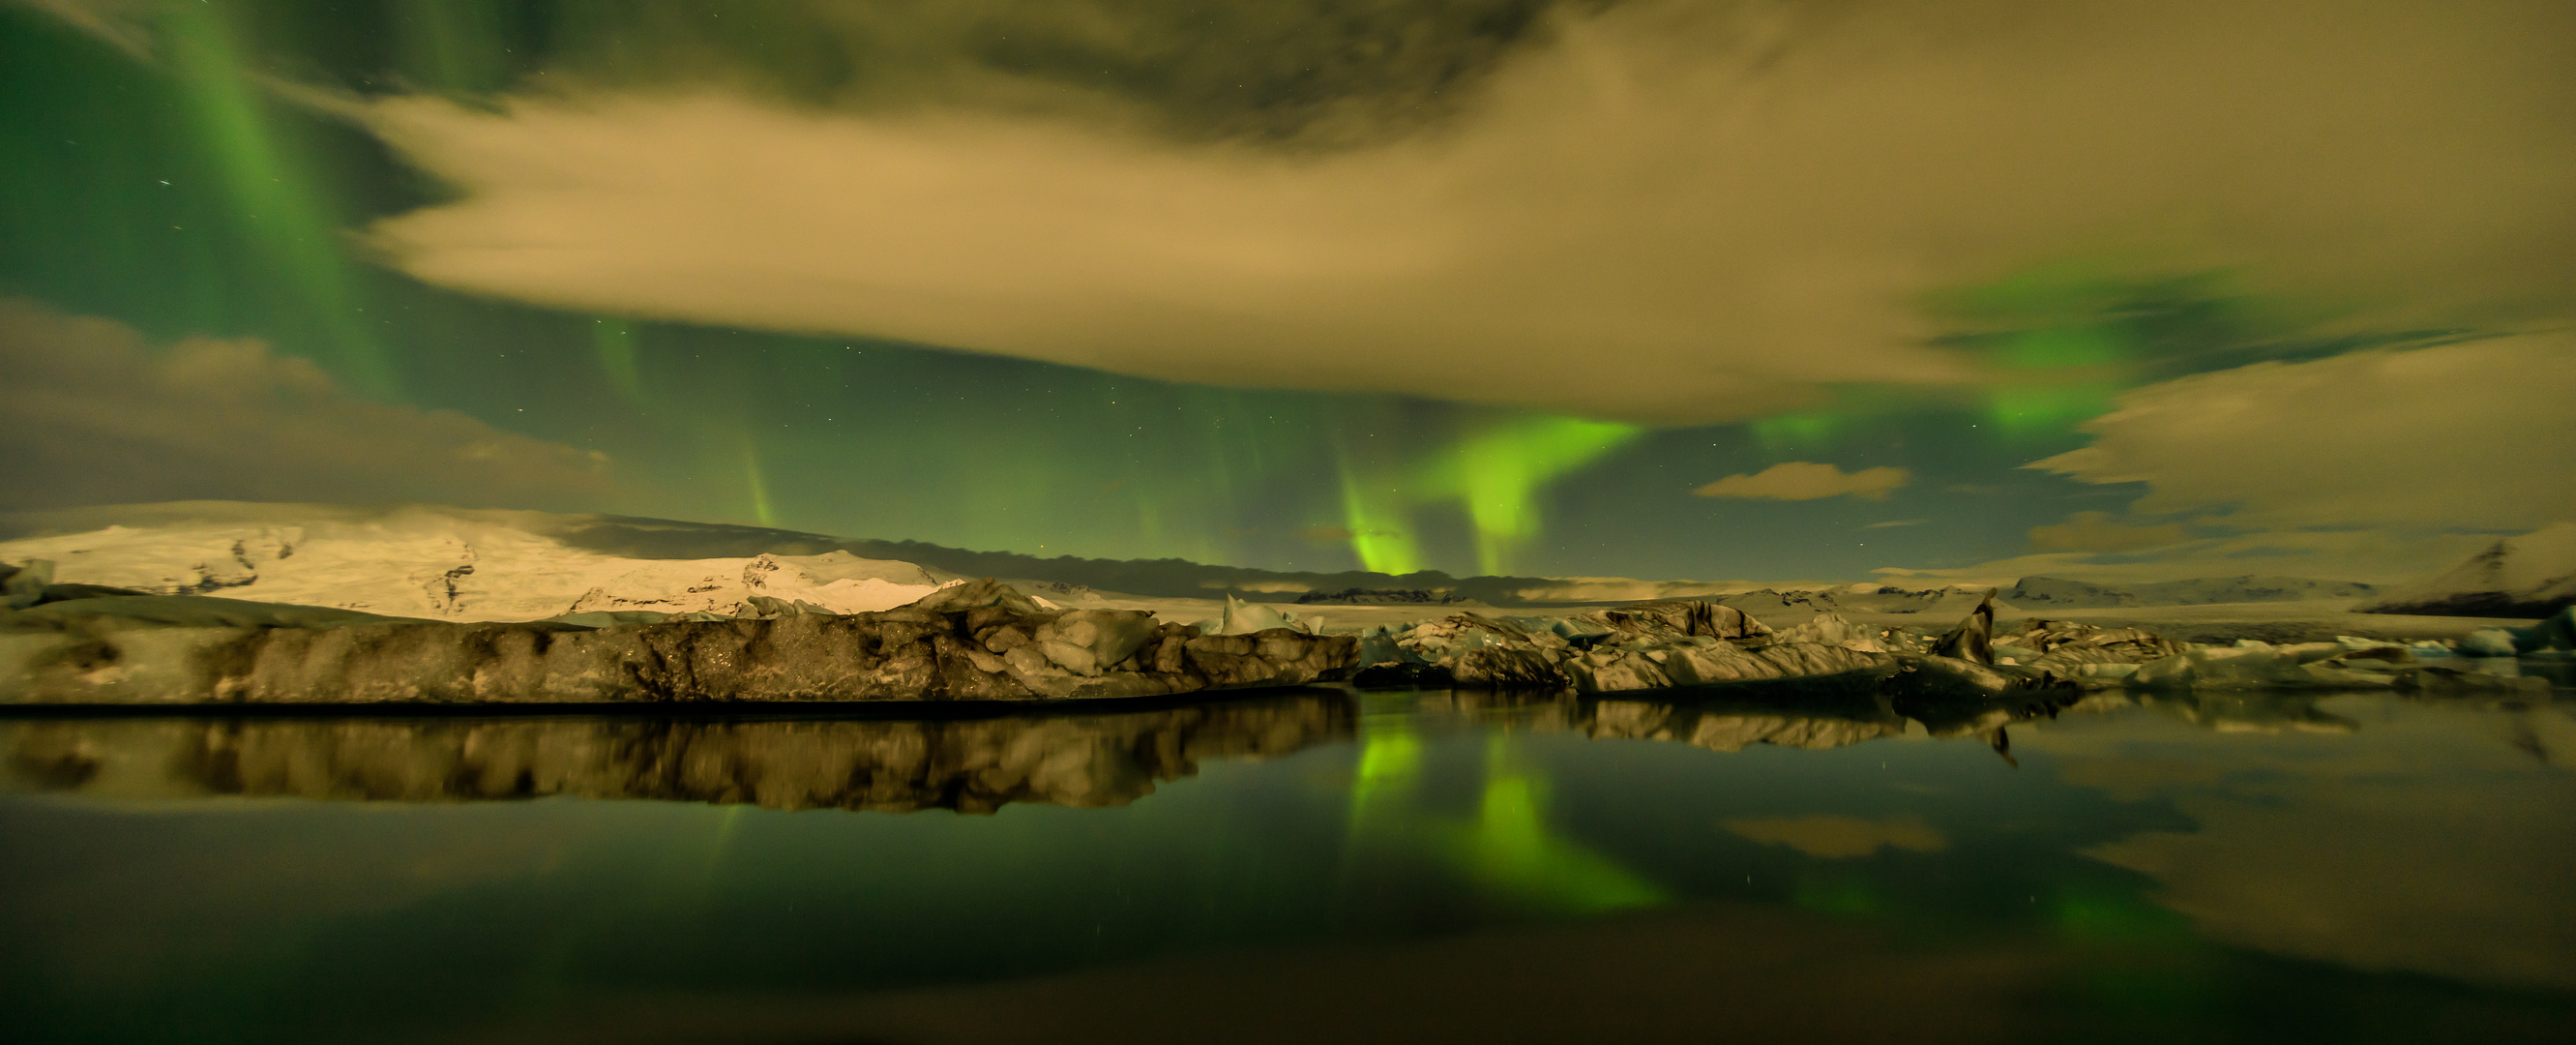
{"x":1305,"y":867}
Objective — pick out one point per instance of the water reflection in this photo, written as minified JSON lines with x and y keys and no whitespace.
{"x":966,"y":765}
{"x":2246,"y":711}
{"x":1733,"y":725}
{"x":1507,"y":845}
{"x":1437,"y":865}
{"x":2431,"y":836}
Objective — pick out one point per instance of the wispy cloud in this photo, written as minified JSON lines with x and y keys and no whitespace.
{"x":2101,"y":532}
{"x":1807,"y":481}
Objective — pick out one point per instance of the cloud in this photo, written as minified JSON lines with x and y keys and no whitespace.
{"x":123,"y":24}
{"x":2098,"y":532}
{"x":1807,"y":481}
{"x":97,"y":416}
{"x":2477,"y":434}
{"x":2377,"y":466}
{"x":1839,"y":837}
{"x":1669,"y":213}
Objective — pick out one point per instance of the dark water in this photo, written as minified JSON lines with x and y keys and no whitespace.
{"x":1307,"y":867}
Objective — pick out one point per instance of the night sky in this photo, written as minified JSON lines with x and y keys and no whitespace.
{"x":1763,"y":290}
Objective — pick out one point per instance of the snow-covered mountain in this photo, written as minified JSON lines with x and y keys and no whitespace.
{"x":470,"y":564}
{"x":441,"y":563}
{"x":2533,"y":575}
{"x":2042,"y":593}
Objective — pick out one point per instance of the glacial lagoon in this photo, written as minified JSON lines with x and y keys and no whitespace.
{"x":1314,"y":865}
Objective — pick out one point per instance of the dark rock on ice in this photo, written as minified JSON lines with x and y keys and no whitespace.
{"x":1973,"y":639}
{"x":1884,"y":599}
{"x":975,"y":641}
{"x":32,"y":584}
{"x":1769,"y":601}
{"x":1687,"y":643}
{"x":2558,"y":632}
{"x":1680,"y":618}
{"x":24,"y":586}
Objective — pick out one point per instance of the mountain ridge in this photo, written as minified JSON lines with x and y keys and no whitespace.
{"x":2531,"y":575}
{"x":269,"y":532}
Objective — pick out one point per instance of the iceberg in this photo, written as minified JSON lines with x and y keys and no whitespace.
{"x":980,"y":640}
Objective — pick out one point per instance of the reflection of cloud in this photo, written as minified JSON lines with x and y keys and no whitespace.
{"x":2098,"y":532}
{"x":96,"y":416}
{"x":1895,"y":523}
{"x":2429,"y":840}
{"x":2406,"y":438}
{"x":1807,"y":481}
{"x":1837,"y":837}
{"x":1674,"y":213}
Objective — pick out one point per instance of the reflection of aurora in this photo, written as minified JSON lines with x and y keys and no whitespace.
{"x":1476,"y":838}
{"x":1507,"y":847}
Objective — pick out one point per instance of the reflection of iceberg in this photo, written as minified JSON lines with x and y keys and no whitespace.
{"x":1726,"y":729}
{"x":2254,"y":711}
{"x":1733,"y":719}
{"x":969,"y":765}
